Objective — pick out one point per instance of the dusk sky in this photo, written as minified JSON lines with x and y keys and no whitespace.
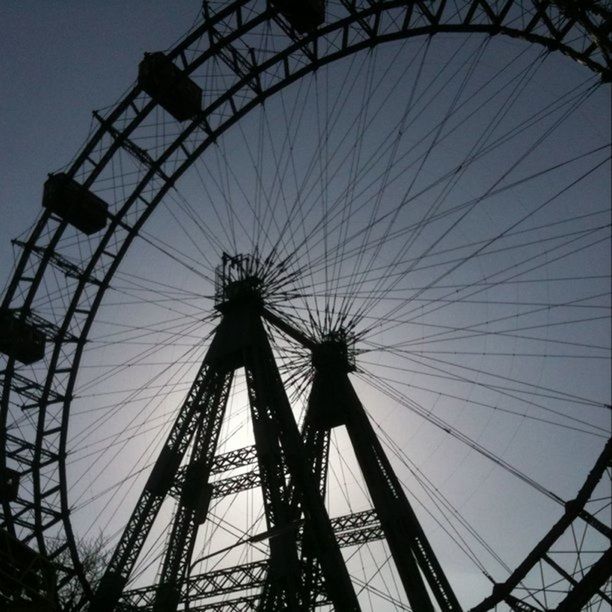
{"x":450,"y":199}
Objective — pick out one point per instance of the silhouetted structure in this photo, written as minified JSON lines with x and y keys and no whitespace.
{"x":27,"y":579}
{"x":305,"y":568}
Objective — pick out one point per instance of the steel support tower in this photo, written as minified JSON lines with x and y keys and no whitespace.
{"x":305,"y":566}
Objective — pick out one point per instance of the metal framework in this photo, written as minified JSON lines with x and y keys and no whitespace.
{"x":544,"y":570}
{"x":578,"y":30}
{"x":305,"y":568}
{"x":350,"y":530}
{"x":291,"y":579}
{"x":240,"y":341}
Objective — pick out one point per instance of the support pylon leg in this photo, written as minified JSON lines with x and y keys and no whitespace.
{"x":316,"y":446}
{"x":195,"y":494}
{"x":411,"y":551}
{"x":162,"y":476}
{"x":316,"y":451}
{"x":270,"y":406}
{"x":282,"y":587}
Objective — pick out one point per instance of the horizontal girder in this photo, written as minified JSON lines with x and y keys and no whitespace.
{"x":350,"y":529}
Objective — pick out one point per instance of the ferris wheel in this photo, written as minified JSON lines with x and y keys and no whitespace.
{"x":359,"y":356}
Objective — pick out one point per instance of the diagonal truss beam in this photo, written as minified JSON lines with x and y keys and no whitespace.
{"x":411,"y":551}
{"x":163,"y":474}
{"x":280,"y":441}
{"x":573,"y":510}
{"x":195,"y":494}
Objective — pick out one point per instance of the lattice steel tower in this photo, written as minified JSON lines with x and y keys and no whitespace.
{"x":305,"y":566}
